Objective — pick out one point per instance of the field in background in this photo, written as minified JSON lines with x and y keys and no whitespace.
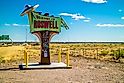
{"x":109,"y":52}
{"x":14,"y":55}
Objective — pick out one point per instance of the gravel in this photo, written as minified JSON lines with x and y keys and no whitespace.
{"x":83,"y":71}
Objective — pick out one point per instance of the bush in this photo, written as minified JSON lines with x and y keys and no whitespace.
{"x":118,"y":54}
{"x":1,"y":59}
{"x":104,"y":52}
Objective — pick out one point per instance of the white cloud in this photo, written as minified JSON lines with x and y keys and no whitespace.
{"x":76,"y":16}
{"x":66,"y":14}
{"x":87,"y":20}
{"x":122,"y":18}
{"x":7,"y":24}
{"x":110,"y":25}
{"x":16,"y":25}
{"x":71,"y":23}
{"x":95,"y":1}
{"x":120,"y":10}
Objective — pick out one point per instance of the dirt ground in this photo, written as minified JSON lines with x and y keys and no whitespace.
{"x":83,"y":71}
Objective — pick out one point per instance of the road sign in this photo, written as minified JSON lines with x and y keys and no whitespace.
{"x":4,"y":37}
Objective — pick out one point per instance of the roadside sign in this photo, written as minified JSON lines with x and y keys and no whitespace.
{"x":4,"y":37}
{"x":44,"y":27}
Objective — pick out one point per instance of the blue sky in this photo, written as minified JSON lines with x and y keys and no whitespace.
{"x":89,"y":20}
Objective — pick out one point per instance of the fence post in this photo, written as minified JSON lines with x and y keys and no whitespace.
{"x":67,"y":58}
{"x":59,"y":56}
{"x":50,"y":54}
{"x":83,"y":52}
{"x":97,"y":55}
{"x":25,"y":58}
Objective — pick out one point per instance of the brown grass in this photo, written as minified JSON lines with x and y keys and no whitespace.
{"x":16,"y":53}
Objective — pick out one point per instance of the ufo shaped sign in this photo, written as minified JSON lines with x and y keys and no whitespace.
{"x":39,"y":22}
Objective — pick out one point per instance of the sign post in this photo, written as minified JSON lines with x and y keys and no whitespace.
{"x":44,"y":27}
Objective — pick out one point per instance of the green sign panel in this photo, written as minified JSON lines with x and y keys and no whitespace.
{"x":4,"y":37}
{"x":44,"y":23}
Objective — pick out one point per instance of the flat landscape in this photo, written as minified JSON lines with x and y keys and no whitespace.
{"x":91,"y":63}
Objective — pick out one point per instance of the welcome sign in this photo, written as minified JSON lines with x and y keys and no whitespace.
{"x":44,"y":27}
{"x":45,"y":23}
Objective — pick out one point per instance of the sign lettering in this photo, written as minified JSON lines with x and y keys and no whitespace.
{"x":45,"y":24}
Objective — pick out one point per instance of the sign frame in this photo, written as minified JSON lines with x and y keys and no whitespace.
{"x":45,"y":23}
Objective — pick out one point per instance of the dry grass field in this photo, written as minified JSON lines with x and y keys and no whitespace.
{"x":91,"y":63}
{"x":106,"y":52}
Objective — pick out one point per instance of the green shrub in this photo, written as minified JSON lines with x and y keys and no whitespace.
{"x":104,"y":52}
{"x":118,"y":53}
{"x":1,"y":59}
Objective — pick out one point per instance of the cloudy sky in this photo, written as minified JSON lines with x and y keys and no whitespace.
{"x":89,"y":20}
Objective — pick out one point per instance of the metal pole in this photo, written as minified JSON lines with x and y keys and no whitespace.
{"x":26,"y":35}
{"x":25,"y":58}
{"x":11,"y":40}
{"x":67,"y":58}
{"x":59,"y":56}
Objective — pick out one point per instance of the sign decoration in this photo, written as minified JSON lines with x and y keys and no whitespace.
{"x":44,"y":27}
{"x":45,"y":40}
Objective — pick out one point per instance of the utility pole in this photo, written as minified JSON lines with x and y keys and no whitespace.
{"x":26,"y":36}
